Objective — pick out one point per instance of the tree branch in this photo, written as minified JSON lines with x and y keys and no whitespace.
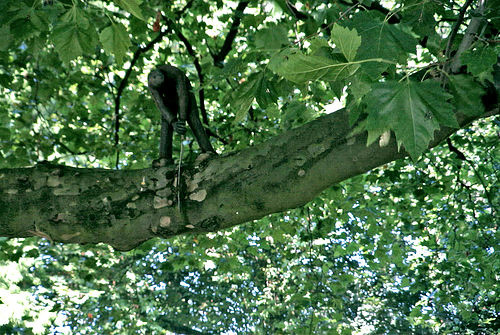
{"x":181,"y":12}
{"x":298,"y":15}
{"x":470,"y":33}
{"x":127,"y":207}
{"x":453,"y":33}
{"x":233,"y":31}
{"x":376,"y":6}
{"x":177,"y":328}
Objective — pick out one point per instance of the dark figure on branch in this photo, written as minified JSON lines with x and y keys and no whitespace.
{"x":174,"y":98}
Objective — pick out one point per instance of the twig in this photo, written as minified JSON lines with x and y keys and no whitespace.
{"x":461,"y":156}
{"x":376,"y":6}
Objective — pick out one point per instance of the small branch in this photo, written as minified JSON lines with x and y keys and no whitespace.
{"x":233,"y":30}
{"x":452,"y":148}
{"x":376,"y":6}
{"x":178,"y":328}
{"x":462,"y":157}
{"x":456,"y":26}
{"x":493,"y":111}
{"x":181,"y":12}
{"x":295,"y":12}
{"x":470,"y":33}
{"x":393,"y":18}
{"x":65,"y":147}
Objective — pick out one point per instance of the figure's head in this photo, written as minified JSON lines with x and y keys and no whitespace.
{"x":155,"y":79}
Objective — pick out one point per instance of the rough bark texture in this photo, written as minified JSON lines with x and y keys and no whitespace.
{"x":126,"y":208}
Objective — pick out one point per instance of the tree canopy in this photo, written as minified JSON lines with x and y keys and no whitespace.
{"x":355,"y":190}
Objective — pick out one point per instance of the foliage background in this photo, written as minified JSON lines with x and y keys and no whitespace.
{"x":411,"y":247}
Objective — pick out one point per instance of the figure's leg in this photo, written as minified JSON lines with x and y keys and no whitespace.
{"x":166,"y":140}
{"x":199,"y":132}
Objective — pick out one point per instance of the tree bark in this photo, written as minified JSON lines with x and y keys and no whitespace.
{"x":125,"y":208}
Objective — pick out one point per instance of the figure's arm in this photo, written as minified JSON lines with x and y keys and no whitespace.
{"x":165,"y":113}
{"x":182,"y":88}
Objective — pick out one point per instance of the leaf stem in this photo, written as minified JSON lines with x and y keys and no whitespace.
{"x":380,"y":60}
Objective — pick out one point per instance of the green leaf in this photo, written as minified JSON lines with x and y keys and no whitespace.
{"x":416,"y":312}
{"x":71,"y":40}
{"x":479,"y":60}
{"x":413,"y":110}
{"x":420,"y":16}
{"x":337,"y":87}
{"x":76,"y":16}
{"x":39,"y":20}
{"x":25,"y":21}
{"x":253,"y":20}
{"x":265,"y":92}
{"x":360,"y":85}
{"x":347,"y":41}
{"x":467,"y":95}
{"x":300,"y":68}
{"x":317,"y":44}
{"x":244,"y":105}
{"x":296,"y":114}
{"x":5,"y":80}
{"x":131,"y":6}
{"x":242,"y":99}
{"x":6,"y":37}
{"x":492,"y":13}
{"x":116,"y":41}
{"x":271,"y":38}
{"x":310,"y":27}
{"x":74,"y":35}
{"x":381,"y":40}
{"x":4,"y":133}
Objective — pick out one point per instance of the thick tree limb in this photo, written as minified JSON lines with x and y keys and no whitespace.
{"x":126,"y":208}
